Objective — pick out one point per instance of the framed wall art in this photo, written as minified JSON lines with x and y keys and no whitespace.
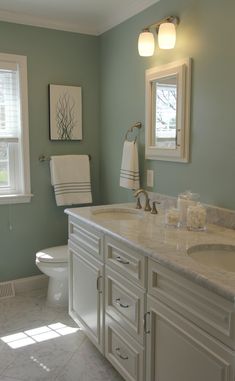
{"x":65,"y":112}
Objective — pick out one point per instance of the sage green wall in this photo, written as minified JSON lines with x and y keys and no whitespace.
{"x":206,"y":33}
{"x":59,"y":58}
{"x":112,"y":78}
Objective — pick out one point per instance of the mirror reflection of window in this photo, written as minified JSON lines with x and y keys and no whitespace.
{"x":165,"y":129}
{"x":167,"y":118}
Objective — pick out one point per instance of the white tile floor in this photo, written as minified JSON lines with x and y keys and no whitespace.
{"x":34,"y":347}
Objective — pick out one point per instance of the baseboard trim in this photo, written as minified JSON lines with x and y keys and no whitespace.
{"x":30,"y":283}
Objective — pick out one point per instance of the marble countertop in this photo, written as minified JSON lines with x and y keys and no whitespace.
{"x":168,"y":246}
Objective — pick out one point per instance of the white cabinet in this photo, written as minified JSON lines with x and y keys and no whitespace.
{"x":86,"y":287}
{"x":124,"y":353}
{"x":178,"y":350}
{"x":86,"y":294}
{"x":209,"y":311}
{"x":86,"y":237}
{"x":185,"y":326}
{"x":125,"y":303}
{"x":125,"y":260}
{"x":125,"y":294}
{"x":151,"y":323}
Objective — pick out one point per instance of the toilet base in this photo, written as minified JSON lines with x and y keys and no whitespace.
{"x":57,"y":293}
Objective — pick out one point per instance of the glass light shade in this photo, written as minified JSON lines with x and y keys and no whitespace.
{"x":146,"y":44}
{"x":166,"y":36}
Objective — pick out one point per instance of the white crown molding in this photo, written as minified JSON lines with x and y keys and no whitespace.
{"x":117,"y":17}
{"x":45,"y":23}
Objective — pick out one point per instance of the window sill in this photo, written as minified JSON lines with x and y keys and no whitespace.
{"x":15,"y":198}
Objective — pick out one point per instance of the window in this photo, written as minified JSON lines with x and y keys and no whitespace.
{"x":14,"y":141}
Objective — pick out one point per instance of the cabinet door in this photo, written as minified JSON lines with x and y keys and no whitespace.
{"x":180,"y":351}
{"x":209,"y":311}
{"x":86,"y":295}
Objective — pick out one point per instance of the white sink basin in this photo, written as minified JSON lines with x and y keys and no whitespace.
{"x":117,"y":213}
{"x":214,"y":255}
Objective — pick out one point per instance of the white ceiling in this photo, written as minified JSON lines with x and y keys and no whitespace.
{"x":82,"y":16}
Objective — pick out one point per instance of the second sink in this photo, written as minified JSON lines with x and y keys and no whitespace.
{"x":214,"y":255}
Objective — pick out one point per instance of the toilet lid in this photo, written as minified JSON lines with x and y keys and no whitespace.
{"x":53,"y":254}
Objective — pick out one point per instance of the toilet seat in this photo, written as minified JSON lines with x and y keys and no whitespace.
{"x":56,"y":254}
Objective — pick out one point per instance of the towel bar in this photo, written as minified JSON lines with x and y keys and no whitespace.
{"x":43,"y":158}
{"x":136,"y":125}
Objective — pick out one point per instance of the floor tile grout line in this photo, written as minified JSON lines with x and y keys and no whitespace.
{"x":74,"y":349}
{"x":67,"y":362}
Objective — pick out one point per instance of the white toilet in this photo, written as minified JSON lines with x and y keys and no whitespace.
{"x":54,"y":263}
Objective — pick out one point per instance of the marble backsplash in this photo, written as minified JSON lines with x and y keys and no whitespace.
{"x":215,"y":215}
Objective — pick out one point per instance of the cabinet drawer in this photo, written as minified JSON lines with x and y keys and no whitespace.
{"x":123,"y":352}
{"x":126,"y":260}
{"x":86,"y":237}
{"x":207,"y":310}
{"x":124,"y":302}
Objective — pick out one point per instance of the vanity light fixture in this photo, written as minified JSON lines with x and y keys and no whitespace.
{"x":166,"y":32}
{"x":146,"y":44}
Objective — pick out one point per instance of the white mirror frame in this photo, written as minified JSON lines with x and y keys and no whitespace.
{"x":182,"y":70}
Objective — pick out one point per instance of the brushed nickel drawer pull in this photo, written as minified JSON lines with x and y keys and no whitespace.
{"x":119,"y":259}
{"x":120,"y":355}
{"x":118,"y":301}
{"x":97,"y":284}
{"x":145,"y":323}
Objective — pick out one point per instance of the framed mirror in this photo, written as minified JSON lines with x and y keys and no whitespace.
{"x":168,"y":111}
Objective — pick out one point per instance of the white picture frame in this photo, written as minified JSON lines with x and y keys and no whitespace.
{"x":65,"y":112}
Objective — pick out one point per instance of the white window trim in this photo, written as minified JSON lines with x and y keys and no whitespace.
{"x":15,"y":198}
{"x":25,"y":195}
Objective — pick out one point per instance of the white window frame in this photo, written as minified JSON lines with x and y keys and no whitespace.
{"x":22,"y":174}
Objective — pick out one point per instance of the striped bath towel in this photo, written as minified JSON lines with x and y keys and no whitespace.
{"x":129,"y":176}
{"x":70,"y":177}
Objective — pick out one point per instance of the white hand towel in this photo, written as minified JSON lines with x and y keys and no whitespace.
{"x":129,"y":176}
{"x":70,"y":177}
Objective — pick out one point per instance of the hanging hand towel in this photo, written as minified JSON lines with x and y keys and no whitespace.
{"x":70,"y":177}
{"x":129,"y":177}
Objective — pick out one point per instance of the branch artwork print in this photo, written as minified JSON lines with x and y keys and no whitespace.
{"x":65,"y":113}
{"x":65,"y":117}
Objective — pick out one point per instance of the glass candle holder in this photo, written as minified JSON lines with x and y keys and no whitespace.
{"x":172,"y":217}
{"x":196,"y":217}
{"x":185,"y":200}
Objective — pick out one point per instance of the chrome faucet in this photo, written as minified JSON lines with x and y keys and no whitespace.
{"x":147,"y":204}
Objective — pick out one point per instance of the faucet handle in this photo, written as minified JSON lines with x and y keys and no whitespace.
{"x":154,"y":209}
{"x":138,"y":204}
{"x":147,"y":205}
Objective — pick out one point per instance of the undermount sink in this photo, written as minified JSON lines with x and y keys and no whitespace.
{"x":117,"y":213}
{"x":214,"y":255}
